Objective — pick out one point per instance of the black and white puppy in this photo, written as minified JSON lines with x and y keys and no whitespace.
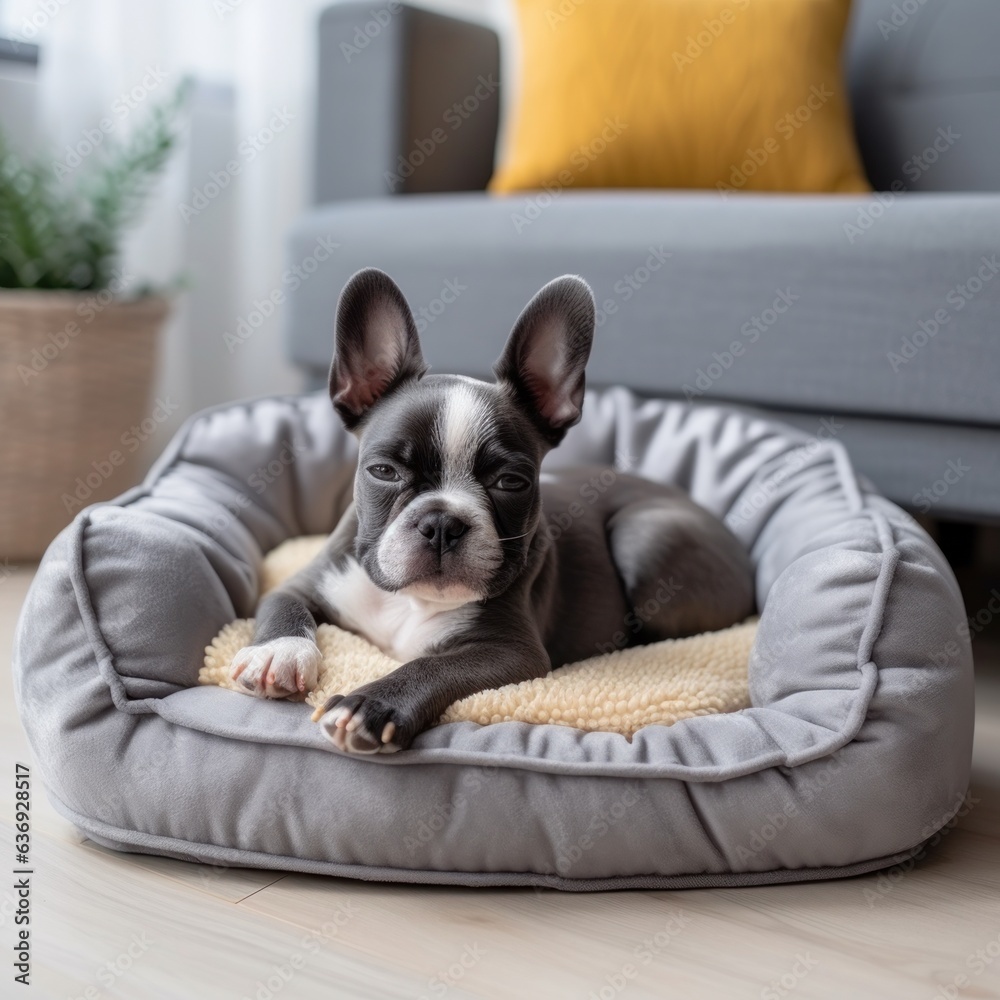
{"x":445,"y":559}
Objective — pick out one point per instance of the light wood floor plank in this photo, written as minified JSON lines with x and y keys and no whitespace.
{"x":91,"y":908}
{"x":231,"y":884}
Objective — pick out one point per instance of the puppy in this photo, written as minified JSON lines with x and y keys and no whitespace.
{"x":445,"y":559}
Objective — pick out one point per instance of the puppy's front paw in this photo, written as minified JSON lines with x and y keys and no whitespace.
{"x":279,"y":668}
{"x":364,"y":722}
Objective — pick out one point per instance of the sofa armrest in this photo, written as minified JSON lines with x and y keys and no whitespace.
{"x":408,"y":102}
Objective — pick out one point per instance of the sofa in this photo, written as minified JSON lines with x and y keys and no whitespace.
{"x":872,"y":319}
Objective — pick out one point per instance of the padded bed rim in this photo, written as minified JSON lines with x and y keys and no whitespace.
{"x":137,"y":842}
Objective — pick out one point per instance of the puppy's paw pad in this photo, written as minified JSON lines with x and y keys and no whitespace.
{"x":353,"y":726}
{"x":278,"y":669}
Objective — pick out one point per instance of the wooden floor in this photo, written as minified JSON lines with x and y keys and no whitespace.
{"x":114,"y":925}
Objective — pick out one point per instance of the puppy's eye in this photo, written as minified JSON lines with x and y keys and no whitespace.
{"x":511,"y":483}
{"x":385,"y":473}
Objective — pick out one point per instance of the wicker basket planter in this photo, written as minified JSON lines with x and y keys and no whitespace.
{"x":76,"y":380}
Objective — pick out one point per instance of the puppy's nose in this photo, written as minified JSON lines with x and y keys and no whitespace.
{"x":441,"y":529}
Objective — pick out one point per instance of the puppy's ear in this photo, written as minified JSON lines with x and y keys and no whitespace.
{"x":547,"y":352}
{"x":376,"y":344}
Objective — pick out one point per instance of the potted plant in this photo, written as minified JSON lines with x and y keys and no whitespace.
{"x":77,"y":348}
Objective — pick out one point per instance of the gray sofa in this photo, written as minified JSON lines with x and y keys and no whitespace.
{"x":874,"y":319}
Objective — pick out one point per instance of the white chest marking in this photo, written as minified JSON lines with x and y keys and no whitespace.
{"x":402,"y":626}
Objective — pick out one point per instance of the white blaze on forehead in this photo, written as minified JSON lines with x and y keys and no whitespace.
{"x":462,"y":420}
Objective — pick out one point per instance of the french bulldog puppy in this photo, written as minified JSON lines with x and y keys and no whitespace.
{"x":445,"y":559}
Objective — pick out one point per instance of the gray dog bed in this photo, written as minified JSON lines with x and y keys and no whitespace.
{"x":856,"y":750}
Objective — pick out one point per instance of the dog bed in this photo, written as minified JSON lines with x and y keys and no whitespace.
{"x":855,"y":749}
{"x":618,"y":692}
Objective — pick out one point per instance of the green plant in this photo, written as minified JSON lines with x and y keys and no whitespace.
{"x":55,"y":234}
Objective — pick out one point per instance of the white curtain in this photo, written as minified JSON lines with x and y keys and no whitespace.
{"x":254,"y":63}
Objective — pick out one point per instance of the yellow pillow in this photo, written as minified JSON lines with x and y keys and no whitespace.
{"x":733,"y":95}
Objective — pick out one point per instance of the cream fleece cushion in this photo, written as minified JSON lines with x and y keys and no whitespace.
{"x":618,"y":692}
